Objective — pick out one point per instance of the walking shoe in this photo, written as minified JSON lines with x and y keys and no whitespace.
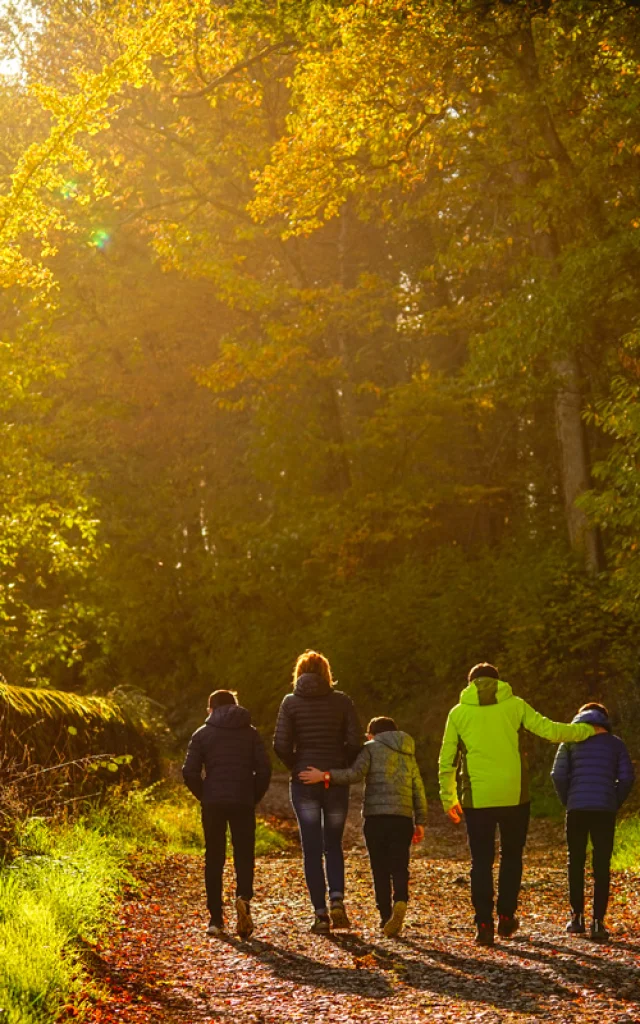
{"x":214,"y":928}
{"x":339,"y":917}
{"x":484,"y":934}
{"x":321,"y":924}
{"x":598,"y":931}
{"x":245,"y":921}
{"x":394,"y":924}
{"x":507,"y":925}
{"x":576,"y":925}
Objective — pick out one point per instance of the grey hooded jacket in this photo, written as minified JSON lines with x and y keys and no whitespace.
{"x":393,"y":783}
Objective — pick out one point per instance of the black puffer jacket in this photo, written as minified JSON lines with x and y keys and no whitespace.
{"x":234,"y":758}
{"x":316,"y":726}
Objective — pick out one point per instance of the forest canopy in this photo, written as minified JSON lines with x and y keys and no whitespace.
{"x":320,"y":326}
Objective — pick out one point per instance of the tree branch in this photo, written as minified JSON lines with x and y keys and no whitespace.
{"x":226,"y":76}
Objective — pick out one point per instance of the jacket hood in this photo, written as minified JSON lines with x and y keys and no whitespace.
{"x":396,"y":740}
{"x":593,"y":717}
{"x":311,"y":685}
{"x":485,"y":691}
{"x":230,"y":716}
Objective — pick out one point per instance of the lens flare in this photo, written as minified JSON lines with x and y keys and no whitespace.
{"x":99,"y":238}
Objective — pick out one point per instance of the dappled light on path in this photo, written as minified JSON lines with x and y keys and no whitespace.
{"x":160,"y":966}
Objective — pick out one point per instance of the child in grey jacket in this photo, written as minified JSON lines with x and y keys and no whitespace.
{"x":394,"y":812}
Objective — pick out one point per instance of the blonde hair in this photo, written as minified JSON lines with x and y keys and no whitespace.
{"x":312,"y":661}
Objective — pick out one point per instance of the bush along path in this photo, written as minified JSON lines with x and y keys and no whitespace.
{"x":159,"y":967}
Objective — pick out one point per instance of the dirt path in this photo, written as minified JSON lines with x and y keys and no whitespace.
{"x":160,"y":967}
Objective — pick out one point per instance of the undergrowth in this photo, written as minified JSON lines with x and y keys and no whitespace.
{"x":59,"y":892}
{"x":626,"y":855}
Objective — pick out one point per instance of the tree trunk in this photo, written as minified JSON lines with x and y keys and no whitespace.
{"x":575,"y":460}
{"x":572,"y":438}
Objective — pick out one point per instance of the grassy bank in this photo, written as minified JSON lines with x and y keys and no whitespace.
{"x":60,"y":893}
{"x":626,"y":855}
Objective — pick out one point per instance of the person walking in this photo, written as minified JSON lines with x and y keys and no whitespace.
{"x":481,"y":745}
{"x":318,"y":725}
{"x":592,"y":779}
{"x":394,"y":812}
{"x":237,"y":771}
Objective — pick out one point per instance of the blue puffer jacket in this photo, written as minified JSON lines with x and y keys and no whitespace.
{"x":596,"y":775}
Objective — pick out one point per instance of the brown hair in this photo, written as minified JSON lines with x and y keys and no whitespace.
{"x":312,"y":661}
{"x":221,"y":697}
{"x":593,"y":706}
{"x":483,"y":670}
{"x":381,"y":724}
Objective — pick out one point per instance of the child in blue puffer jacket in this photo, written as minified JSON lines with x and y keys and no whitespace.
{"x":592,"y":779}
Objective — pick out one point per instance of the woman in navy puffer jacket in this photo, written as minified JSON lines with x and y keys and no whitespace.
{"x":318,"y":725}
{"x":592,"y":779}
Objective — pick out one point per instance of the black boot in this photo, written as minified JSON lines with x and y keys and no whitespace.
{"x":321,"y":924}
{"x":484,"y":934}
{"x":576,"y":925}
{"x":598,"y":931}
{"x":507,"y":925}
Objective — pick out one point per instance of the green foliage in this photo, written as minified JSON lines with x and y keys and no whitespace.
{"x":61,"y":892}
{"x":44,"y":727}
{"x":626,"y":854}
{"x":615,"y":505}
{"x":30,"y":703}
{"x":59,"y":749}
{"x":319,"y":267}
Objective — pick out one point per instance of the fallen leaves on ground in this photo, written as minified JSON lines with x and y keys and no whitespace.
{"x":159,"y":967}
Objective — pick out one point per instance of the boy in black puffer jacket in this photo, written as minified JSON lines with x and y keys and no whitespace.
{"x":236,"y":777}
{"x":592,"y":779}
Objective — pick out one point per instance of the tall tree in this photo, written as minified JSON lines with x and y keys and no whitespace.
{"x":512,"y":122}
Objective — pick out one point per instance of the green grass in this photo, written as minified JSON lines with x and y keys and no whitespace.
{"x":61,"y":891}
{"x":165,"y":818}
{"x":58,"y":891}
{"x":626,"y":854}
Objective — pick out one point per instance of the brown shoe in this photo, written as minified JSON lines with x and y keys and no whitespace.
{"x":393,"y":926}
{"x":339,"y":918}
{"x":245,"y":921}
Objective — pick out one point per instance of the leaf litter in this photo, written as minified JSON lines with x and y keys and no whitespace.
{"x":159,"y":967}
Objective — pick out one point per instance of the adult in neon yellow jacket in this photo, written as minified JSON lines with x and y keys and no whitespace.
{"x":481,"y":748}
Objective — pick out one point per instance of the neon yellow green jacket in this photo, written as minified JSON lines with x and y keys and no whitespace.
{"x":481,"y":745}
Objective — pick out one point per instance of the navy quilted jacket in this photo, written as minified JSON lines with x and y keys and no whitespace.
{"x":231,"y":754}
{"x":317,"y":726}
{"x":595,"y":775}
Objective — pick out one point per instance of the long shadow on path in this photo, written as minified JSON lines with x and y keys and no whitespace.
{"x":596,"y":974}
{"x":303,"y":970}
{"x":498,"y":984}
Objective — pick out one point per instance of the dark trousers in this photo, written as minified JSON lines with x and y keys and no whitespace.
{"x":321,"y":815}
{"x":513,"y":823}
{"x":601,"y":827}
{"x":388,"y":838}
{"x":242,"y":822}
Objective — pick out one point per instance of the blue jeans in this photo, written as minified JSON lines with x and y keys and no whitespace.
{"x":321,"y":815}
